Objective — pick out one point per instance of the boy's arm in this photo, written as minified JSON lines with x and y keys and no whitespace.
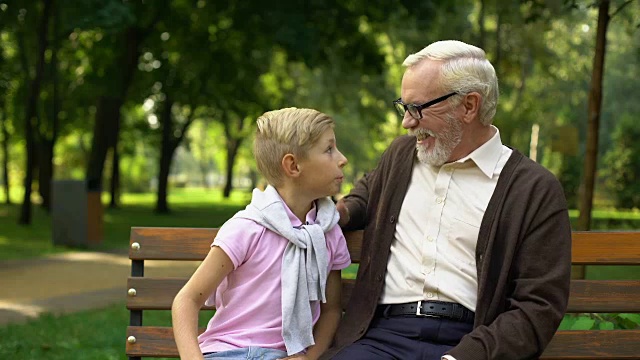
{"x":330,"y":314}
{"x":189,"y":300}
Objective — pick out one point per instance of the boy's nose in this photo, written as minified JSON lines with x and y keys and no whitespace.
{"x":343,"y":161}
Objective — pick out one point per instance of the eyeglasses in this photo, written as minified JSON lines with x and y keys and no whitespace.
{"x":416,"y":110}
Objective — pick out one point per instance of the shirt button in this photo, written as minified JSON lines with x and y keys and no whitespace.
{"x":429,"y":295}
{"x":392,"y":219}
{"x":439,"y":200}
{"x":429,"y":238}
{"x":379,"y":277}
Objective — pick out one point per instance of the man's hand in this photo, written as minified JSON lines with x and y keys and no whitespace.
{"x":344,"y":213}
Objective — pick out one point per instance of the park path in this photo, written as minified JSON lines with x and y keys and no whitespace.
{"x":68,"y":282}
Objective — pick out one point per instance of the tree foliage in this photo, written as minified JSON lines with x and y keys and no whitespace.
{"x":623,"y":161}
{"x":143,"y":92}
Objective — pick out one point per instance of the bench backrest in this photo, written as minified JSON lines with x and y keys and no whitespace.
{"x":587,"y":296}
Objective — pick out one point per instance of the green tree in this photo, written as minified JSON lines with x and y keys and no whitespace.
{"x":5,"y":86}
{"x":30,"y":117}
{"x":623,"y":161}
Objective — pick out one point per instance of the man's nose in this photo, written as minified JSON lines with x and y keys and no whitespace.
{"x":409,"y":122}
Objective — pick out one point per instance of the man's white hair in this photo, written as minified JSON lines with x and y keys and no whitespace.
{"x":465,"y":69}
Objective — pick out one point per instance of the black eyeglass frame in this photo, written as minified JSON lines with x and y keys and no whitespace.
{"x":403,"y":108}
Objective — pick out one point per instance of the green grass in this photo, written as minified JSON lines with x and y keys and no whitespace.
{"x":17,"y":242}
{"x":190,"y":208}
{"x":610,"y":214}
{"x":89,"y":335}
{"x":611,"y":219}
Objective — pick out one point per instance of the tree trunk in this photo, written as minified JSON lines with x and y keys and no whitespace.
{"x":107,"y":114}
{"x":115,"y":166}
{"x":233,"y":145}
{"x":45,"y":171}
{"x":595,"y":104}
{"x":591,"y":153}
{"x":253,"y":176}
{"x":204,"y":170}
{"x":107,"y":122}
{"x":498,"y":58}
{"x":5,"y":158}
{"x":47,"y":139}
{"x":203,"y":163}
{"x":481,"y":27}
{"x":115,"y":179}
{"x":4,"y":145}
{"x":30,"y":113}
{"x":234,"y":137}
{"x":166,"y":155}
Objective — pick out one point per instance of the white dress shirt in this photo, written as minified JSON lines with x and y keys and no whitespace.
{"x":433,"y":251}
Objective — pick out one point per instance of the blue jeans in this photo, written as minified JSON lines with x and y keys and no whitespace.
{"x":250,"y":353}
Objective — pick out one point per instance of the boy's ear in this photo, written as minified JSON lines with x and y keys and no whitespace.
{"x":290,"y":166}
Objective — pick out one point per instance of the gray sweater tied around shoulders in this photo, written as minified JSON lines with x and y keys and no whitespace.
{"x":304,"y":264}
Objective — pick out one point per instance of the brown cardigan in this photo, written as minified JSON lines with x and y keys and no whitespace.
{"x":523,"y":256}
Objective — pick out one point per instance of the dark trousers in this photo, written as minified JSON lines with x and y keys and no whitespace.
{"x":406,"y":338}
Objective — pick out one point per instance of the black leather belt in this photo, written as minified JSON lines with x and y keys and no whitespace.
{"x":441,"y":309}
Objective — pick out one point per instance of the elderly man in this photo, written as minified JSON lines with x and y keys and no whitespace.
{"x":467,"y":243}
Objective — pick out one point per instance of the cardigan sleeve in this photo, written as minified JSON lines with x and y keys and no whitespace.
{"x":359,"y":201}
{"x":356,"y":203}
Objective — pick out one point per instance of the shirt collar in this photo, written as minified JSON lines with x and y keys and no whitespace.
{"x":486,"y":157}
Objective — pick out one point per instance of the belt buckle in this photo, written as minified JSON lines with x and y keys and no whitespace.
{"x":419,"y":314}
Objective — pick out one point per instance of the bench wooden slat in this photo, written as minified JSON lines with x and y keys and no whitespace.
{"x":194,"y":243}
{"x":151,"y":341}
{"x":586,"y":295}
{"x":171,"y":243}
{"x":605,"y":248}
{"x":589,"y":247}
{"x":347,"y":290}
{"x":354,"y":244}
{"x":594,"y":344}
{"x":604,"y":296}
{"x":154,"y":341}
{"x":155,"y":293}
{"x":158,"y":293}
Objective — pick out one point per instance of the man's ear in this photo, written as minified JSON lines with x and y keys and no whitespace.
{"x":471,"y":105}
{"x":290,"y":166}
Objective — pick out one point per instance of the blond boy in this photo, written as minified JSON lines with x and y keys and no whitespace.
{"x":273,"y":271}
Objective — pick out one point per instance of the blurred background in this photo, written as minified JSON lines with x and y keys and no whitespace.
{"x":140,"y":96}
{"x":120,"y":113}
{"x":152,"y":104}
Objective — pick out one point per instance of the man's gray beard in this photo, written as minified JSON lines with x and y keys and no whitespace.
{"x":434,"y":157}
{"x":444,"y":145}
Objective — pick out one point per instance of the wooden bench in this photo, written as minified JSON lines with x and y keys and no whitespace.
{"x":587,"y":296}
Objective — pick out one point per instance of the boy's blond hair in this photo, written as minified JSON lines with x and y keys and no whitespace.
{"x":286,"y":131}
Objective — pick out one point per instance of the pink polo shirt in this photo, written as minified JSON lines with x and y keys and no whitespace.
{"x":248,"y":301}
